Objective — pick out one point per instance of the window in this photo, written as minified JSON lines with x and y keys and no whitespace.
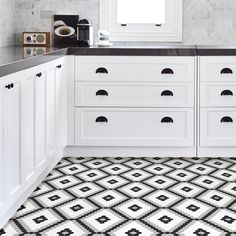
{"x":142,"y":20}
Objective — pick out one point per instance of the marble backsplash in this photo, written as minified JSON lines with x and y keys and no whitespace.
{"x":205,"y":22}
{"x":7,"y":22}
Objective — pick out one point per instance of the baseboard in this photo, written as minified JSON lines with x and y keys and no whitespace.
{"x":72,"y":151}
{"x":217,"y":152}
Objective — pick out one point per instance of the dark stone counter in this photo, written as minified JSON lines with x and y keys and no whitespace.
{"x":16,"y":58}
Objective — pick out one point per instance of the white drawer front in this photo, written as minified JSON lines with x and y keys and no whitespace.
{"x":134,"y":94}
{"x":218,"y":127}
{"x":218,"y":95}
{"x":219,"y":69}
{"x":128,"y":68}
{"x":134,"y":127}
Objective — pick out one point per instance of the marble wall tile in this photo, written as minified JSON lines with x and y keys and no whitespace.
{"x":205,"y":22}
{"x":7,"y":22}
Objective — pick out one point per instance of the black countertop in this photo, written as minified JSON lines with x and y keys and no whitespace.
{"x":13,"y":58}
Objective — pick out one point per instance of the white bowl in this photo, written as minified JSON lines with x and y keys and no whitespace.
{"x":70,"y":29}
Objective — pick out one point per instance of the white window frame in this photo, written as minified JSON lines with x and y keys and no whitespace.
{"x":171,"y":31}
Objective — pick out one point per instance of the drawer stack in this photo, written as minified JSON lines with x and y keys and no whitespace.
{"x":217,"y":101}
{"x":134,"y":101}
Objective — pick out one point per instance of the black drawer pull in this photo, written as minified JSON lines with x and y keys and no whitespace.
{"x":102,"y":93}
{"x":39,"y":74}
{"x":9,"y":86}
{"x":59,"y":66}
{"x":227,"y":93}
{"x":226,"y":71}
{"x":226,"y":119}
{"x":101,"y":119}
{"x":167,"y":93}
{"x":167,"y":120}
{"x":167,"y":71}
{"x":101,"y":70}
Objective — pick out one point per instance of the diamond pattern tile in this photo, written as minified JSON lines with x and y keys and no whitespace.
{"x":132,"y":197}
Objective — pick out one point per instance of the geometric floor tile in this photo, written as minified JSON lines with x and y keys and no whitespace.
{"x":53,"y":198}
{"x":39,"y":220}
{"x":182,"y":175}
{"x":84,"y":190}
{"x":134,"y":208}
{"x":207,"y":182}
{"x":136,"y":175}
{"x":224,"y":218}
{"x":216,"y":198}
{"x":193,"y":208}
{"x":66,"y":228}
{"x":229,"y":188}
{"x":112,"y":182}
{"x":108,"y":198}
{"x":187,"y":189}
{"x":76,"y":208}
{"x":102,"y":220}
{"x":165,"y":220}
{"x":199,"y":228}
{"x":162,"y":198}
{"x":160,"y":182}
{"x":132,"y":197}
{"x":133,"y":228}
{"x":136,"y":189}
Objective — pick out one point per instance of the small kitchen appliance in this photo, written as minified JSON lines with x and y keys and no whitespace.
{"x":85,"y":33}
{"x":36,"y":39}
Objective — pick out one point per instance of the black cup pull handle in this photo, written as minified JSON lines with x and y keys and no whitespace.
{"x":59,"y":66}
{"x":101,"y":70}
{"x":167,"y":71}
{"x":167,"y":93}
{"x":227,"y":93}
{"x":102,"y":93}
{"x":167,"y":120}
{"x":226,"y":119}
{"x":226,"y":71}
{"x":101,"y":119}
{"x":9,"y":86}
{"x":39,"y":74}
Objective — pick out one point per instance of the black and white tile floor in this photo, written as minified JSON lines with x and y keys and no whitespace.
{"x":132,"y":197}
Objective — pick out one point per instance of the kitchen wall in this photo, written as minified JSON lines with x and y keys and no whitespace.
{"x":204,"y":21}
{"x":7,"y":22}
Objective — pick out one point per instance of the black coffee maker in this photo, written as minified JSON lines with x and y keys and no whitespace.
{"x":85,"y":33}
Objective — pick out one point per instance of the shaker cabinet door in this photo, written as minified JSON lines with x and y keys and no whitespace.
{"x":12,"y":141}
{"x":40,"y":121}
{"x":50,"y":112}
{"x":27,"y":129}
{"x":2,"y":169}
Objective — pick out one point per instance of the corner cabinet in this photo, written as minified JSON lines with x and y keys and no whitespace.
{"x":32,"y":130}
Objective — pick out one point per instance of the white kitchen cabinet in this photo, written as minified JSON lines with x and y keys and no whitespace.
{"x":27,"y":128}
{"x":134,"y":127}
{"x":133,"y":94}
{"x":2,"y":159}
{"x":40,"y":119}
{"x":134,"y":68}
{"x":12,"y":155}
{"x":28,"y":123}
{"x":51,"y":112}
{"x":217,"y":115}
{"x":61,"y":104}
